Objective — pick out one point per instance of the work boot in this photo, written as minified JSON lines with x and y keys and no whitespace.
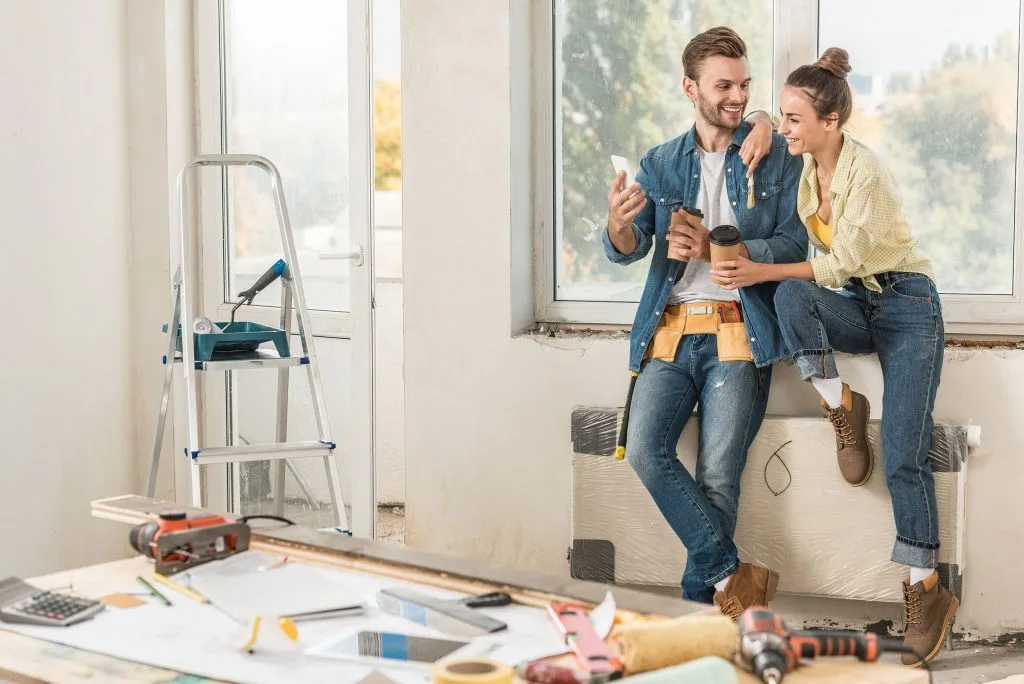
{"x":930,"y":609}
{"x":750,"y":585}
{"x":850,"y":421}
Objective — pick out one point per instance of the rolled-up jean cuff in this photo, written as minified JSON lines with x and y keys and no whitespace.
{"x":813,"y":363}
{"x":915,"y":554}
{"x":728,"y":569}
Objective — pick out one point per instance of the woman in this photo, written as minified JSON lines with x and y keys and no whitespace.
{"x":888,"y":304}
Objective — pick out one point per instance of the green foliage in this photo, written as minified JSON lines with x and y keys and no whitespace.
{"x":950,"y":141}
{"x":948,"y":134}
{"x":622,"y":94}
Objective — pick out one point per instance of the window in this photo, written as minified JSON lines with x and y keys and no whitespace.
{"x":941,"y":111}
{"x":618,"y":72}
{"x":286,"y":98}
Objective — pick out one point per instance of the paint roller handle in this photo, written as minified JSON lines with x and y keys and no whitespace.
{"x":620,"y":447}
{"x":271,"y":274}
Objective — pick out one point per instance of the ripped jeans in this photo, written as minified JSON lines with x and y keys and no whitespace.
{"x":731,"y":398}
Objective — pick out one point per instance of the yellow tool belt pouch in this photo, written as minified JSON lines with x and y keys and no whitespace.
{"x":701,"y":318}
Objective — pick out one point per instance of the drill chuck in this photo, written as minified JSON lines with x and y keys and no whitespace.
{"x":768,"y":666}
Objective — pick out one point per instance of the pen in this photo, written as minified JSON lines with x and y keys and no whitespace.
{"x":192,"y":594}
{"x":152,"y":590}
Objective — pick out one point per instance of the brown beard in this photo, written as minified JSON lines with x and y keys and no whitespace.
{"x":712,"y":113}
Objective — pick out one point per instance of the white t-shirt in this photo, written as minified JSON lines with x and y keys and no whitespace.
{"x":713,"y":201}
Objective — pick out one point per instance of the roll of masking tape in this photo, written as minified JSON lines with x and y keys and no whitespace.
{"x":472,"y":671}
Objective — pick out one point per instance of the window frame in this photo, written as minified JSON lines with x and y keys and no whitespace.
{"x":795,"y":43}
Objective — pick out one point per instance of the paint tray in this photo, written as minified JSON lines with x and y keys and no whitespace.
{"x":235,"y":338}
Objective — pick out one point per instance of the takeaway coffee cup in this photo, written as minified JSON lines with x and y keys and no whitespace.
{"x":725,"y":244}
{"x":677,"y":218}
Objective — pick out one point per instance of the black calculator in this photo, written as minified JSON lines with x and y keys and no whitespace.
{"x":21,"y":602}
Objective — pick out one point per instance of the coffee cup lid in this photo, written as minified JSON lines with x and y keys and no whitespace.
{"x":725,"y":236}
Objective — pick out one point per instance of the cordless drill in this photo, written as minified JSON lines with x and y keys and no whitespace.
{"x":770,"y":650}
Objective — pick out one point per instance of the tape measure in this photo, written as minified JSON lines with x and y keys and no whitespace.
{"x":472,"y":671}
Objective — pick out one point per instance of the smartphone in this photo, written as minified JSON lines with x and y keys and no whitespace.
{"x":622,"y":164}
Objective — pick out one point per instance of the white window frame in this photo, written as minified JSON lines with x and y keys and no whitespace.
{"x":796,"y":33}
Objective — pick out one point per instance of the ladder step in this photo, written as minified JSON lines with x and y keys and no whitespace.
{"x":261,"y":358}
{"x":262,"y":452}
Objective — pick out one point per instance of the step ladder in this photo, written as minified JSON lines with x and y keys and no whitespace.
{"x":191,"y":352}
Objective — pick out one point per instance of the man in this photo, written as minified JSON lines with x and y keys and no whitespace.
{"x":687,"y":344}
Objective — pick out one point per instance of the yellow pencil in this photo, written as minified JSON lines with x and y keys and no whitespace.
{"x":194,"y":595}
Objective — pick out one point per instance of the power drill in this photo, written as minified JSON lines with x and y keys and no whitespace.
{"x":770,"y":650}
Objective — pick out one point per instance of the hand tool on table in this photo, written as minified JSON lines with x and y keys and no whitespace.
{"x":592,"y":654}
{"x":545,"y":672}
{"x":771,"y":650}
{"x":457,"y":617}
{"x":177,"y":541}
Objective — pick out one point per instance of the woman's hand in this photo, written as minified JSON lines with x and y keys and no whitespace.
{"x":757,"y":145}
{"x":737,"y":273}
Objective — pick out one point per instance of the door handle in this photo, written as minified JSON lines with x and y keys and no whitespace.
{"x":356,"y":255}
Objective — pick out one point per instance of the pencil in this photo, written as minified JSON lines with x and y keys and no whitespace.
{"x":152,"y":590}
{"x":274,"y":563}
{"x":167,"y":581}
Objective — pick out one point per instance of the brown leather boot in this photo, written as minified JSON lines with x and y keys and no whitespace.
{"x":850,"y":421}
{"x":750,"y":585}
{"x":930,"y":609}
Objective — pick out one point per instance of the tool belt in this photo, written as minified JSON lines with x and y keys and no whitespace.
{"x":722,"y":319}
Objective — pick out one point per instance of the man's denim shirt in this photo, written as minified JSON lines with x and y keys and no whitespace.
{"x":772,"y":232}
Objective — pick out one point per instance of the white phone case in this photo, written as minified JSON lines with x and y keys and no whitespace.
{"x":622,"y":164}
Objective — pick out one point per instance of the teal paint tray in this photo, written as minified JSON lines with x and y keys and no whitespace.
{"x":235,"y":338}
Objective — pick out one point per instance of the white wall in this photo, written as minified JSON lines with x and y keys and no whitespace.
{"x":162,"y":137}
{"x":66,"y":400}
{"x":487,"y":414}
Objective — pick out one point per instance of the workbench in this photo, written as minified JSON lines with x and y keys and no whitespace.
{"x":24,"y":659}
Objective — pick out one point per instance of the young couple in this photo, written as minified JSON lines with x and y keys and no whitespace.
{"x":706,"y":336}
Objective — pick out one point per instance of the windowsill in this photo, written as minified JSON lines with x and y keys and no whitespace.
{"x":615,"y":332}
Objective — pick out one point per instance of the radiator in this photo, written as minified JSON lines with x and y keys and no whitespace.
{"x":824,"y":537}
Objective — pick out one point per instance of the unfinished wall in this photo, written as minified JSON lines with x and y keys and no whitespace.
{"x":65,"y":406}
{"x":487,"y":415}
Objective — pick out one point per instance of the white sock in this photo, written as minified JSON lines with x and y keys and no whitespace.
{"x":830,"y":389}
{"x":720,"y":584}
{"x":918,"y":574}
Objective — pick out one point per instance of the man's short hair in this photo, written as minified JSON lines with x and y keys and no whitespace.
{"x":720,"y":41}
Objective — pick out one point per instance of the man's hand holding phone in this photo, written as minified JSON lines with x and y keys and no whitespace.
{"x":625,"y":201}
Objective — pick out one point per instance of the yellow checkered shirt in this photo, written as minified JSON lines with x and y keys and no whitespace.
{"x":870,"y":233}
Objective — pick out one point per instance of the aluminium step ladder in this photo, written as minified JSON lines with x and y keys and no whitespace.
{"x":192,"y":362}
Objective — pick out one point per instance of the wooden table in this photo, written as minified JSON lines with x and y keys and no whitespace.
{"x":28,"y":660}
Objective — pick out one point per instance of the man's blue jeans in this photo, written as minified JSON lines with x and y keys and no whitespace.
{"x":903,"y":324}
{"x":730,"y":397}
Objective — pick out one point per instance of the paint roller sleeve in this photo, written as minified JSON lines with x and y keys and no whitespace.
{"x":653,"y":645}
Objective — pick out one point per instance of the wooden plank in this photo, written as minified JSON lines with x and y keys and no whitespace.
{"x":30,"y":661}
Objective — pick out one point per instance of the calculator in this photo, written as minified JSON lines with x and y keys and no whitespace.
{"x":21,"y":602}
